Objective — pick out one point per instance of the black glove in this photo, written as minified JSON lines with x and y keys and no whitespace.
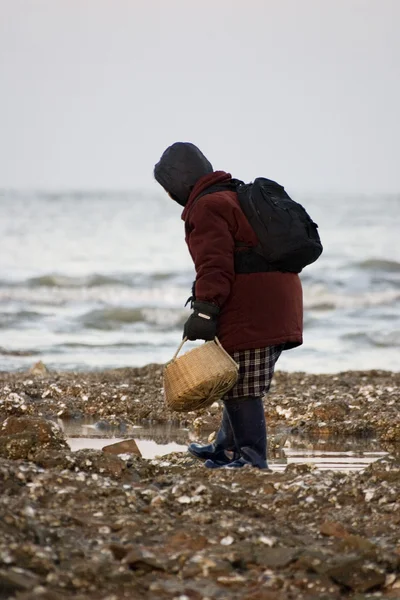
{"x":202,"y":323}
{"x":192,"y":298}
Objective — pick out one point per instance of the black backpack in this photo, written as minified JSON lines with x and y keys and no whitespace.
{"x":288,"y":238}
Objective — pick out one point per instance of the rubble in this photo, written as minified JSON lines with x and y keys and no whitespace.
{"x":356,"y":403}
{"x":99,"y":533}
{"x":93,"y":525}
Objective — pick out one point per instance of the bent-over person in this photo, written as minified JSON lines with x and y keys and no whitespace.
{"x":257,"y":313}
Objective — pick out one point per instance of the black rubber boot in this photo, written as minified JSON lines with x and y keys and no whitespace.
{"x":247,"y":419}
{"x":222,"y":451}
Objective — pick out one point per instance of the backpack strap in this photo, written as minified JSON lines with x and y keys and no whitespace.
{"x":247,"y":259}
{"x":230,"y":186}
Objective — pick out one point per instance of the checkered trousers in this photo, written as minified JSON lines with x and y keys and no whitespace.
{"x":256,"y":369}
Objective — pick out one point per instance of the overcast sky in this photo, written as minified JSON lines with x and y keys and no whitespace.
{"x":303,"y":91}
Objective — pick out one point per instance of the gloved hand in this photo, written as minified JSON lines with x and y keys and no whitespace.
{"x":202,"y":323}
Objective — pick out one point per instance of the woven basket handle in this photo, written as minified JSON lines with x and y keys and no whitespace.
{"x":180,"y":348}
{"x":216,"y":340}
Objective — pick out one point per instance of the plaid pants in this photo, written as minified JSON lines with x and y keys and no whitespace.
{"x":256,"y":369}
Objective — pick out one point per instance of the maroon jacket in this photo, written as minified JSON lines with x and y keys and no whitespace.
{"x":257,"y":309}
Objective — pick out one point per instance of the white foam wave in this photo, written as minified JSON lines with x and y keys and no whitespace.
{"x":318,"y":297}
{"x":170,"y":296}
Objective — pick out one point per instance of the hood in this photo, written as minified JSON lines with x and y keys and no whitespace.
{"x":213,"y":180}
{"x":179,"y":169}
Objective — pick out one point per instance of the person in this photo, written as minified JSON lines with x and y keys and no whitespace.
{"x":256,"y":313}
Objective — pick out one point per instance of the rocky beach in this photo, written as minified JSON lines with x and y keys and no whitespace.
{"x":93,"y":525}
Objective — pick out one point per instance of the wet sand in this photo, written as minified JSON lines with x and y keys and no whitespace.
{"x":95,"y":526}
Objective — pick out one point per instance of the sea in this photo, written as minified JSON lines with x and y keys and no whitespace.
{"x":99,"y":280}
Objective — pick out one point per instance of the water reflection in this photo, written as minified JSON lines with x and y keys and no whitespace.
{"x":347,"y":454}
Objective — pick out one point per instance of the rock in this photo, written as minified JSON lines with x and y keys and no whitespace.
{"x":313,"y":561}
{"x":120,"y":551}
{"x":333,"y":529}
{"x":392,"y":434}
{"x":384,"y":470}
{"x":39,"y":369}
{"x":263,"y":595}
{"x":31,"y":558}
{"x":207,"y":422}
{"x":274,"y":558}
{"x":276,"y":441}
{"x":352,"y":572}
{"x":88,"y":461}
{"x":183,"y":540}
{"x":16,"y":579}
{"x":334,"y":409}
{"x":21,"y":446}
{"x":143,"y":560}
{"x":47,"y":595}
{"x":294,"y":469}
{"x":359,"y":544}
{"x":125,"y":447}
{"x":98,"y":462}
{"x":63,"y":459}
{"x":212,"y":437}
{"x":47,"y":433}
{"x":24,"y":437}
{"x":15,"y":404}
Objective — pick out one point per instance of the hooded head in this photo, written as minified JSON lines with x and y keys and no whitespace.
{"x":179,"y":168}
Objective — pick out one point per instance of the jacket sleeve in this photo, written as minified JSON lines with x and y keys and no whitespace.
{"x":211,"y":245}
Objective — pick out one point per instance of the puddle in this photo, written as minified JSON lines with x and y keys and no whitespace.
{"x":148,"y":448}
{"x":152,"y":441}
{"x":328,"y":453}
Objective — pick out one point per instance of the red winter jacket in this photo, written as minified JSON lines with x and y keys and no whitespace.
{"x":257,"y":309}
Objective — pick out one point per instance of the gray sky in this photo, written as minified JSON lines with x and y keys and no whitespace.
{"x":303,"y":91}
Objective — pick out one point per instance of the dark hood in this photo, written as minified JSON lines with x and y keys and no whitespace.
{"x":179,"y":168}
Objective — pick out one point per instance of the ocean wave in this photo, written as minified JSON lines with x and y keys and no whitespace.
{"x":173,"y":295}
{"x":318,"y":297}
{"x":87,"y":346}
{"x":379,"y":339}
{"x":56,"y":280}
{"x":7,"y":352}
{"x":379,"y":264}
{"x":116,"y":317}
{"x":18,"y":317}
{"x":65,"y":281}
{"x":129,"y":304}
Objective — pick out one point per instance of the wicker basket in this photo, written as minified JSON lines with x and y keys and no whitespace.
{"x":199,"y":377}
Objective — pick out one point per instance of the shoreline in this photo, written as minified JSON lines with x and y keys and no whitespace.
{"x":90,"y":525}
